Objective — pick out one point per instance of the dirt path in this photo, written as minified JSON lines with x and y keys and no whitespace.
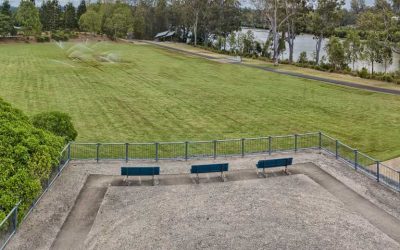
{"x":304,"y":76}
{"x":81,"y":218}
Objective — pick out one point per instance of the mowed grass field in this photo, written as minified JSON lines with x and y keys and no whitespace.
{"x":152,"y":94}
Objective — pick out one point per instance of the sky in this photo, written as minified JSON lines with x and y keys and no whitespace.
{"x":76,"y":2}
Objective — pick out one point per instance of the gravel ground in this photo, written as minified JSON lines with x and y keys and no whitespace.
{"x":251,"y":214}
{"x":40,"y":229}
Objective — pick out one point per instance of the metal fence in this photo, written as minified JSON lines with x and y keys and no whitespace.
{"x":208,"y":149}
{"x":9,"y":225}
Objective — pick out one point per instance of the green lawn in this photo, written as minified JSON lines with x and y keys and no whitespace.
{"x":156,"y":95}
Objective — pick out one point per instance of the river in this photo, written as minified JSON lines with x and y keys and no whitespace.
{"x":305,"y":42}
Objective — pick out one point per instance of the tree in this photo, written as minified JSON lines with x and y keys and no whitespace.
{"x":6,"y":27}
{"x":358,"y":6}
{"x":373,"y":49}
{"x":296,"y":10}
{"x":396,"y":6}
{"x":335,"y":52}
{"x":28,"y":17}
{"x":232,"y":42}
{"x":81,"y":10}
{"x":197,"y":8}
{"x":353,"y":47}
{"x":324,"y":19}
{"x":120,"y":22}
{"x":273,"y":14}
{"x":70,"y":21}
{"x":50,"y":15}
{"x":386,"y":57}
{"x":5,"y":8}
{"x":248,"y":42}
{"x":161,"y":21}
{"x":90,"y":21}
{"x":139,"y":22}
{"x":6,"y":21}
{"x":57,"y":123}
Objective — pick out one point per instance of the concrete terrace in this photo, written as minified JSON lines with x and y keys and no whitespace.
{"x":321,"y":203}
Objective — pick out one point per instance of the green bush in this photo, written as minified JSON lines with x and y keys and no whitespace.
{"x":56,"y":122}
{"x":363,"y":73}
{"x":303,"y":58}
{"x":27,"y":155}
{"x":42,"y":39}
{"x":60,"y":36}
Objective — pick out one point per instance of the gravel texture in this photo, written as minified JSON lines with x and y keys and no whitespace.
{"x":251,"y":214}
{"x":42,"y":226}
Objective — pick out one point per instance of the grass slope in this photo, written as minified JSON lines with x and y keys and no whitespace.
{"x":157,"y":95}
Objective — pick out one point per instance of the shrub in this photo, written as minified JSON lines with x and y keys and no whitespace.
{"x":56,"y":122}
{"x":27,"y":155}
{"x":60,"y":36}
{"x":42,"y":39}
{"x":303,"y":58}
{"x":363,"y":73}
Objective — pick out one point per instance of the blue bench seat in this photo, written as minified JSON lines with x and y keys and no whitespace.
{"x":274,"y":163}
{"x":210,"y":168}
{"x":140,"y":171}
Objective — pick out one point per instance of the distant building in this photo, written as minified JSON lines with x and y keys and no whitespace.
{"x":165,"y":35}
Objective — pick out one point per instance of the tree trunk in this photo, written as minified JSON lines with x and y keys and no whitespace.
{"x":318,"y":49}
{"x":195,"y":27}
{"x":276,"y":42}
{"x":290,"y":39}
{"x":372,"y":66}
{"x":291,"y":47}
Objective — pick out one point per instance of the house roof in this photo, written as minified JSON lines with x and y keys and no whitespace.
{"x":164,"y":34}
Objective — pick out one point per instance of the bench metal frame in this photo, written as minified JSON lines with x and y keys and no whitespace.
{"x":155,"y":182}
{"x":223,"y":177}
{"x":285,"y":170}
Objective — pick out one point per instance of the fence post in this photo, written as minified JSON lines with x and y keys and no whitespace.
{"x":320,"y":140}
{"x":126,"y":152}
{"x":186,"y":150}
{"x":69,"y":151}
{"x":377,"y":171}
{"x":355,"y":159}
{"x":243,"y":147}
{"x":97,"y":152}
{"x":215,"y":149}
{"x":156,"y":144}
{"x":269,"y":145}
{"x":295,"y":143}
{"x":337,"y":149}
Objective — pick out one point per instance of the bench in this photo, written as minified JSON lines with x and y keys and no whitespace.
{"x":274,"y":163}
{"x":140,"y":171}
{"x":210,"y":168}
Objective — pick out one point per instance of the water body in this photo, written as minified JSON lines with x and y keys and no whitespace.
{"x":305,"y":42}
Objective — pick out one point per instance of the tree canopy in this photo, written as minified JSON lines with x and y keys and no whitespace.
{"x":27,"y":156}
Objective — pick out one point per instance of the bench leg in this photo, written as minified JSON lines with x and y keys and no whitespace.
{"x":263,"y":173}
{"x":223,"y":177}
{"x":155,"y":181}
{"x":197,"y":178}
{"x":286,"y":172}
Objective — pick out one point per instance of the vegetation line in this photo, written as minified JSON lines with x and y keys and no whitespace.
{"x":316,"y":78}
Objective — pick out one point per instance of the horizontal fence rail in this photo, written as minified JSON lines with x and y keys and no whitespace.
{"x":207,"y":149}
